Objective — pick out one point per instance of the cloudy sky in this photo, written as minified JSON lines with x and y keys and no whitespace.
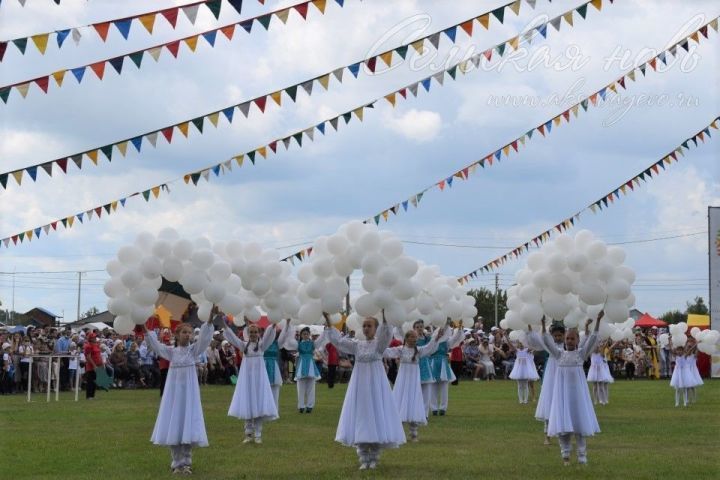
{"x":289,"y":199}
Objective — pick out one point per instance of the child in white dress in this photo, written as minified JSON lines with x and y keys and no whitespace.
{"x":693,"y":374}
{"x":407,"y":391}
{"x":599,"y":375}
{"x":571,"y":410}
{"x":253,"y":399}
{"x":180,"y":423}
{"x":369,"y":420}
{"x":524,"y":371}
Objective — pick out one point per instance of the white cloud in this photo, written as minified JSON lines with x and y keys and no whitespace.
{"x":418,"y":125}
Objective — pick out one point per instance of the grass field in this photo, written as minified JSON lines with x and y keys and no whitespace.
{"x":486,"y":434}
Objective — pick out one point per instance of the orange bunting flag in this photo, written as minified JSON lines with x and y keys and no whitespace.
{"x":102,"y":29}
{"x":148,"y":21}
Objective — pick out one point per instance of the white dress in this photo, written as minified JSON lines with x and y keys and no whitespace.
{"x":369,"y":414}
{"x":253,"y":397}
{"x":524,"y":367}
{"x":407,"y":390}
{"x":599,"y":370}
{"x":571,"y":409}
{"x":679,"y":376}
{"x":693,"y":374}
{"x":180,"y":418}
{"x":542,"y":411}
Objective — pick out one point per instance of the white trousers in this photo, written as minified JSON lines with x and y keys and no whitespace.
{"x":439,"y":396}
{"x":566,"y":446}
{"x":426,"y":393}
{"x":276,"y":395}
{"x":306,"y":392}
{"x":181,"y":455}
{"x":368,"y":452}
{"x":253,"y":426}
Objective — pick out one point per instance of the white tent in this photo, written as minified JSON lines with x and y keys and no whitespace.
{"x":96,"y":326}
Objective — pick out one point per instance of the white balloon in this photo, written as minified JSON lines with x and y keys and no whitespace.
{"x":280,"y":286}
{"x":251,"y":251}
{"x":388,"y":277}
{"x":214,"y":292}
{"x":615,"y":255}
{"x":310,"y":312}
{"x":219,"y":248}
{"x":220,"y":271}
{"x":234,"y":248}
{"x":316,"y":288}
{"x":253,"y":314}
{"x":141,"y":313}
{"x":365,"y":306}
{"x":354,"y":230}
{"x":395,"y":315}
{"x":129,"y":255}
{"x":322,"y":266}
{"x":442,"y":294}
{"x":616,"y":311}
{"x":591,"y":294}
{"x":231,"y":304}
{"x":169,"y":234}
{"x":183,"y":249}
{"x":355,"y":255}
{"x":596,"y":250}
{"x":679,"y":340}
{"x":151,"y":267}
{"x":626,"y":273}
{"x":536,"y":261}
{"x":342,"y":267}
{"x":131,"y":278}
{"x":583,"y":239}
{"x":261,"y":285}
{"x":290,"y":306}
{"x":605,"y":272}
{"x":114,"y":287}
{"x":529,"y":294}
{"x":404,"y":289}
{"x":531,"y":313}
{"x":565,"y":243}
{"x":370,"y":241}
{"x":172,"y":269}
{"x":557,"y":262}
{"x":203,"y":311}
{"x":372,"y":263}
{"x":161,"y":249}
{"x":193,"y":281}
{"x":120,"y":305}
{"x":382,"y":298}
{"x":541,"y":279}
{"x":144,"y":241}
{"x":425,"y":304}
{"x":405,"y":266}
{"x":437,"y":318}
{"x":144,"y":295}
{"x":453,"y":309}
{"x":370,"y":283}
{"x":331,"y":303}
{"x":123,"y":325}
{"x":618,"y":289}
{"x":577,"y":261}
{"x":391,"y":248}
{"x":337,"y":244}
{"x":115,"y":268}
{"x":305,"y":273}
{"x":561,"y":283}
{"x":202,"y":259}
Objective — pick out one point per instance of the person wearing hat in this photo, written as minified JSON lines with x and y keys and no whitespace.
{"x":93,"y":360}
{"x":62,"y":347}
{"x":6,"y":370}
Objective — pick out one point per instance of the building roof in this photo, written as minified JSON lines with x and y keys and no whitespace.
{"x":103,"y":317}
{"x":40,"y":309}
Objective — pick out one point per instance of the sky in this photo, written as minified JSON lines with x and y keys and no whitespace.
{"x":287,"y":201}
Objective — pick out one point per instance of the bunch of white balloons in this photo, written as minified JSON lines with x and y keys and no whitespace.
{"x":572,"y":279}
{"x":237,"y":277}
{"x":392,"y":281}
{"x":707,"y":340}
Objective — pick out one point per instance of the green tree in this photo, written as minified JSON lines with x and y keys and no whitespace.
{"x":673,"y":316}
{"x":92,"y":311}
{"x":485,"y":304}
{"x":697,"y":307}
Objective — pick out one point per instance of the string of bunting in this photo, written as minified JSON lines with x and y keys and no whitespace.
{"x":122,"y":25}
{"x":22,"y":2}
{"x":261,"y":102}
{"x":604,"y":202}
{"x":272,"y":147}
{"x":100,"y":67}
{"x":543,"y":129}
{"x":117,"y":63}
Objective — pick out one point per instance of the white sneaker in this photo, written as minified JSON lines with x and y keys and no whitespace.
{"x":363,"y":466}
{"x":248,"y":439}
{"x":258,"y":440}
{"x":372,"y":465}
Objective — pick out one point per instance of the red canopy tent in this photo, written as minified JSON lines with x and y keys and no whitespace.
{"x":647,"y":321}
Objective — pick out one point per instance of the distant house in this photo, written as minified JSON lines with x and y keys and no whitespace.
{"x":635,"y":314}
{"x":103,"y":317}
{"x":38,"y":317}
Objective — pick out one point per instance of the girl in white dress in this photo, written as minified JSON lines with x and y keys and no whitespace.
{"x":253,"y":399}
{"x":426,"y":380}
{"x":535,"y":341}
{"x":272,"y":366}
{"x":571,"y":410}
{"x":524,"y":371}
{"x":369,"y":420}
{"x":180,"y":423}
{"x":599,"y":375}
{"x":442,"y":373}
{"x":693,"y":374}
{"x":407,"y":391}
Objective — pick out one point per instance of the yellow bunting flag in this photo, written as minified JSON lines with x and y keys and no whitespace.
{"x":262,"y":151}
{"x":324,"y":81}
{"x":283,"y":15}
{"x":192,"y":42}
{"x":148,"y":21}
{"x":122,"y":148}
{"x":418,"y":46}
{"x":93,"y":155}
{"x":183,"y":127}
{"x":18,"y":174}
{"x":114,"y":205}
{"x":391,"y":98}
{"x":359,"y":113}
{"x":70,"y":221}
{"x":213,"y":117}
{"x":515,"y":7}
{"x":40,"y":42}
{"x":597,"y":4}
{"x":23,"y":89}
{"x":387,"y":58}
{"x":484,"y":20}
{"x":156,"y":192}
{"x":320,"y":5}
{"x":514,"y":43}
{"x":59,"y":76}
{"x":569,"y":18}
{"x":239,"y":160}
{"x":277,"y":97}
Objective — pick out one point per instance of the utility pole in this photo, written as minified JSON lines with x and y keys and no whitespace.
{"x":79,"y":290}
{"x":12,"y":311}
{"x":496,"y":298}
{"x":347,"y":297}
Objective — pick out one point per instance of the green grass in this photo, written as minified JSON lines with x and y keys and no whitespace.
{"x":486,"y":434}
